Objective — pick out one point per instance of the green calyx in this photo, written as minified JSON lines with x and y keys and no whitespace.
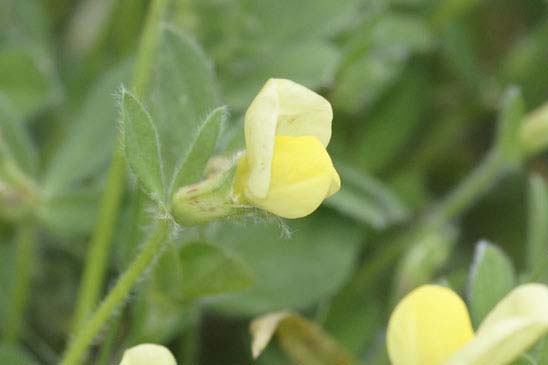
{"x":207,"y":200}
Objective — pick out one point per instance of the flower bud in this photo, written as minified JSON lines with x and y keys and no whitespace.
{"x":286,"y":169}
{"x":148,"y":354}
{"x":302,"y":176}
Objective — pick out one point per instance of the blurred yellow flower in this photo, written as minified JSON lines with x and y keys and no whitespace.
{"x":148,"y":354}
{"x":431,"y":326}
{"x":286,"y":169}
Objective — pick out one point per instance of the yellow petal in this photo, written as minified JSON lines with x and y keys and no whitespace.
{"x":427,"y":326}
{"x":302,"y":176}
{"x":283,"y":108}
{"x":148,"y":354}
{"x":514,"y":325}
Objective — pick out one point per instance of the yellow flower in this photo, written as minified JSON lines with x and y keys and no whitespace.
{"x":148,"y":354}
{"x":431,"y":326}
{"x":286,"y":169}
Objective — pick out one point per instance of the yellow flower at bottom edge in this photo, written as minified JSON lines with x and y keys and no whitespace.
{"x":148,"y":354}
{"x":431,"y":326}
{"x":301,"y":177}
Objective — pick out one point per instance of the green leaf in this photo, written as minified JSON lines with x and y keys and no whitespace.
{"x":295,"y":271}
{"x":191,"y":168}
{"x":71,"y":212}
{"x":302,"y":340}
{"x":142,"y":146}
{"x":461,"y":55}
{"x":375,"y":56}
{"x":182,"y":92}
{"x":162,"y":317}
{"x":311,"y":63}
{"x":209,"y":270}
{"x":14,"y":139}
{"x":355,"y":326}
{"x":537,"y":232}
{"x":22,"y":81}
{"x":89,"y":139}
{"x":393,"y":124}
{"x":491,"y":278}
{"x":13,"y":355}
{"x":365,"y":199}
{"x":284,"y":39}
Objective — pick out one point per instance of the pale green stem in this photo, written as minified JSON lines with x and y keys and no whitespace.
{"x":474,"y":186}
{"x":97,"y":257}
{"x":99,"y":247}
{"x":116,"y":297}
{"x":18,"y":300}
{"x":500,"y":160}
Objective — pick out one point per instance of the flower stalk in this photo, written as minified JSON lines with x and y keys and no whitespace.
{"x":117,"y":296}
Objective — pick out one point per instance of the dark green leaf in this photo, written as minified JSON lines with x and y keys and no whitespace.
{"x":209,"y":270}
{"x":393,"y":124}
{"x":295,"y":271}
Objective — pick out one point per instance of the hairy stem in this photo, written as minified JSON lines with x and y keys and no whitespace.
{"x":117,"y":296}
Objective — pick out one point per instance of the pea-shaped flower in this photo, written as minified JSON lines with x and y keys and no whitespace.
{"x":431,"y":326}
{"x":148,"y":354}
{"x":286,"y":169}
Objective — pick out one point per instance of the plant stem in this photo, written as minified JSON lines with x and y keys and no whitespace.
{"x":99,"y":247}
{"x":104,"y":356}
{"x":465,"y":194}
{"x":501,"y":159}
{"x":97,"y":256}
{"x":117,"y":296}
{"x":26,"y":242}
{"x":534,"y":131}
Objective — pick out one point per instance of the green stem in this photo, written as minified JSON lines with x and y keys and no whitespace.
{"x":534,"y":131}
{"x":116,"y":297}
{"x":99,"y":247}
{"x":500,"y":160}
{"x":103,"y":358}
{"x":463,"y":197}
{"x":97,"y":256}
{"x":26,"y":242}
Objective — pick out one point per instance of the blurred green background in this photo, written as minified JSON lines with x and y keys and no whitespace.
{"x":417,"y":87}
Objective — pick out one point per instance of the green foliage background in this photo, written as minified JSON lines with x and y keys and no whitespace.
{"x":417,"y":88}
